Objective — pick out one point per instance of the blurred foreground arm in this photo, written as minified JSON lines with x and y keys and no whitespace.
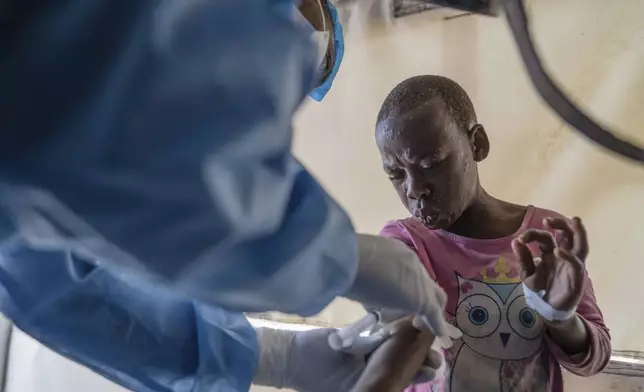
{"x":392,"y":279}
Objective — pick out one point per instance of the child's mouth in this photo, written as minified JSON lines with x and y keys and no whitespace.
{"x":431,"y":220}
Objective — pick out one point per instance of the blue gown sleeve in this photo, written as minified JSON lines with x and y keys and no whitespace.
{"x":154,"y":138}
{"x":148,"y":195}
{"x":137,"y":334}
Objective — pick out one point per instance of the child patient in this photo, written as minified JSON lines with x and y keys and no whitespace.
{"x":480,"y":250}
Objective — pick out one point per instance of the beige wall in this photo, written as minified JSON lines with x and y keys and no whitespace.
{"x":595,"y":47}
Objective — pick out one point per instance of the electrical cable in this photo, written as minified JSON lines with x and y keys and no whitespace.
{"x":554,"y":97}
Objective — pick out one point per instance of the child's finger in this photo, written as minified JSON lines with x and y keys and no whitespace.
{"x":564,"y":229}
{"x":580,"y":248}
{"x":542,"y":237}
{"x":569,"y":257}
{"x":524,"y":256}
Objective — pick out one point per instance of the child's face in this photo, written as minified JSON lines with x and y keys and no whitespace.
{"x":431,"y":163}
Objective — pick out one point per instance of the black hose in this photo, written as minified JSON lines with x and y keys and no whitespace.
{"x":556,"y":99}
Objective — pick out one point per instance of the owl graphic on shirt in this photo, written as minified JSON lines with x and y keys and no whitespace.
{"x":501,"y":347}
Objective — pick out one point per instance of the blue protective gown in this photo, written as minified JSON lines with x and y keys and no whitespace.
{"x":147,"y":190}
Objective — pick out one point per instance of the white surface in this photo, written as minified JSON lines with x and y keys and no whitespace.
{"x":595,"y":47}
{"x":35,"y":368}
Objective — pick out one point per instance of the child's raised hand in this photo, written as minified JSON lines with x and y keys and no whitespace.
{"x":560,"y":271}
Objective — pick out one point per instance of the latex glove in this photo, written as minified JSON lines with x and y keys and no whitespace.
{"x":392,"y":279}
{"x":305,"y":362}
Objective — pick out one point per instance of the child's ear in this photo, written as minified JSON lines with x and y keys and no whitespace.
{"x":479,"y":142}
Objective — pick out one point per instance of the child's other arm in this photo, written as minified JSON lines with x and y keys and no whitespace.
{"x":580,"y":343}
{"x":588,"y":327}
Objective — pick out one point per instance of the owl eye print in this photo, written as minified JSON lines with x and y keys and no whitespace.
{"x":478,"y":316}
{"x":523,"y":320}
{"x":495,"y":320}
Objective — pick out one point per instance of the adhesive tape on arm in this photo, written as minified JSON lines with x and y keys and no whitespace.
{"x":535,"y":301}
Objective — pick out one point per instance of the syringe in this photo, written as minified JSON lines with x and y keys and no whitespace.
{"x":349,"y":339}
{"x":345,"y":337}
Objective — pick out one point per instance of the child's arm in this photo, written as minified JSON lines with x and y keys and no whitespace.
{"x":593,"y":354}
{"x":580,"y":343}
{"x":392,"y":367}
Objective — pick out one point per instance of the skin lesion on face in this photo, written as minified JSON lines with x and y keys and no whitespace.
{"x":420,"y":117}
{"x":431,"y":162}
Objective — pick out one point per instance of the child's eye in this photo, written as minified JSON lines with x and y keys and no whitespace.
{"x":395,"y":174}
{"x":432,"y":165}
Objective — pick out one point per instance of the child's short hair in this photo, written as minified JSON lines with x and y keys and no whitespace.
{"x":417,"y":90}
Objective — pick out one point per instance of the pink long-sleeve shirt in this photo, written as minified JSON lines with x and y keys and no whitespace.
{"x":504,"y":346}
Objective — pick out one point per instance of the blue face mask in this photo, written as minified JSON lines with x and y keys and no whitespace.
{"x":338,"y":52}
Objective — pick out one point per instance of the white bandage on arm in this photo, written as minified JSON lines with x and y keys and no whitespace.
{"x":536,"y":302}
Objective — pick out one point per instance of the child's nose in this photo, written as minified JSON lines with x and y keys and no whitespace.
{"x":417,"y":189}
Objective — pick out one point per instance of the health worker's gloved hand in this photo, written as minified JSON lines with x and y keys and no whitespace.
{"x":305,"y":362}
{"x":392,"y":280}
{"x":429,"y":368}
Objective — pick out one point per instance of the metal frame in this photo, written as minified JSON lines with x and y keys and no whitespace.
{"x":410,"y":7}
{"x":6,"y":328}
{"x":403,"y":8}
